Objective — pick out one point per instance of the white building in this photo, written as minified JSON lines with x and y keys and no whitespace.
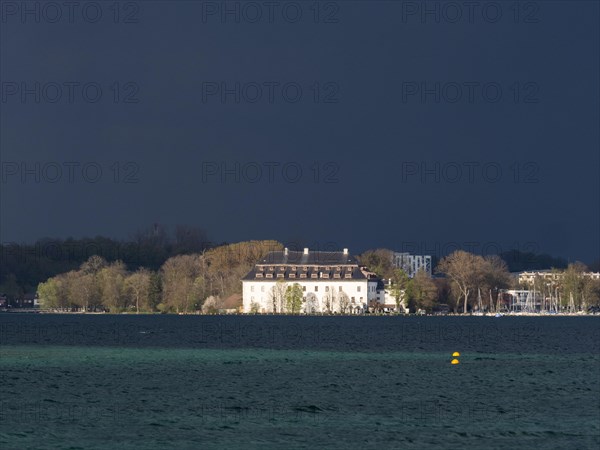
{"x":385,"y":300}
{"x":411,"y":264}
{"x":548,"y":275}
{"x":331,"y":282}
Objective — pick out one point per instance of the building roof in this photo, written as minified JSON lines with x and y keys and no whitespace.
{"x":308,"y":258}
{"x":307,"y":266}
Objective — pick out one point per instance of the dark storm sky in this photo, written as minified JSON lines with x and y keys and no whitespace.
{"x":361,"y":143}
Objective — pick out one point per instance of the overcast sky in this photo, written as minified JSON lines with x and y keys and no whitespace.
{"x":357,"y":124}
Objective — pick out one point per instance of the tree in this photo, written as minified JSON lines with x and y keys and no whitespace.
{"x":379,"y":261}
{"x":211,"y":305}
{"x":84,"y":291}
{"x":293,"y":298}
{"x":423,"y":291}
{"x":278,"y":296}
{"x":399,"y":286}
{"x":50,"y":293}
{"x":312,"y":304}
{"x":190,"y":240}
{"x":138,"y":285}
{"x":344,"y":302}
{"x":493,"y":275}
{"x":572,"y":287}
{"x":154,"y":291}
{"x":181,"y":288}
{"x":93,"y":265}
{"x":464,"y":270}
{"x":111,"y":281}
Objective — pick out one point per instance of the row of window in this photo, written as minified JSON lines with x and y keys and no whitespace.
{"x":352,"y":299}
{"x":262,"y":288}
{"x":304,"y":275}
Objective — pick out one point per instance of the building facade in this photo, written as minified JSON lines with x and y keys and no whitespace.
{"x":550,"y":276}
{"x":411,"y":264}
{"x":331,"y":282}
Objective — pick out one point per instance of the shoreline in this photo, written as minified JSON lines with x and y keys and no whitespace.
{"x":491,"y":315}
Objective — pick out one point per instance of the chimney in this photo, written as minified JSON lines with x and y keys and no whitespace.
{"x":306,"y":250}
{"x":345,"y":251}
{"x":285,"y":251}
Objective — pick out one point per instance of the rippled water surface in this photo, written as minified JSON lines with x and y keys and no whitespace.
{"x":102,"y":381}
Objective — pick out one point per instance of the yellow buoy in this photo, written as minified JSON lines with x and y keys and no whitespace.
{"x":455,"y":354}
{"x":455,"y":361}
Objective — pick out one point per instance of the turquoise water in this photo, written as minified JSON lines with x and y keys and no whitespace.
{"x":88,"y":390}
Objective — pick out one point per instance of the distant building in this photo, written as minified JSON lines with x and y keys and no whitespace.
{"x":411,"y":264}
{"x":548,"y":275}
{"x":330,"y":281}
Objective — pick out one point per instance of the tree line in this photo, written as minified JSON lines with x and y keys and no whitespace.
{"x":205,"y":280}
{"x":470,"y":282}
{"x":184,"y":283}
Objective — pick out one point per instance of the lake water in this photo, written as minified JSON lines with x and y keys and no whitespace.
{"x":159,"y":381}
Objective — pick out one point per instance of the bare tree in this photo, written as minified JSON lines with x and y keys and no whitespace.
{"x":464,"y":270}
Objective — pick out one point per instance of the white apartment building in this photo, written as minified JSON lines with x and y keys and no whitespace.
{"x":330,"y":281}
{"x":411,"y":264}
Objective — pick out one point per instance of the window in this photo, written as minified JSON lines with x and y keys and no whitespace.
{"x":340,"y":289}
{"x":316,"y":288}
{"x":304,"y":288}
{"x":357,"y":288}
{"x":326,"y":288}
